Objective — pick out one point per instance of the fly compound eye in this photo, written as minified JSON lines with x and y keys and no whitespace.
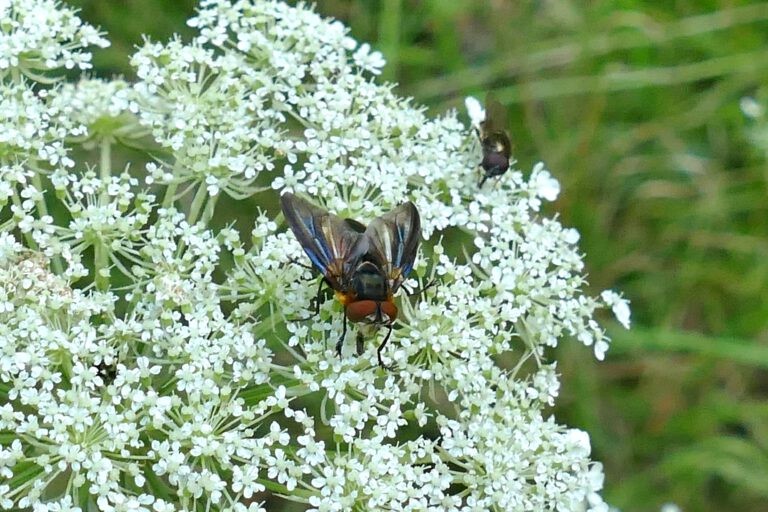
{"x":361,"y":310}
{"x":389,"y":310}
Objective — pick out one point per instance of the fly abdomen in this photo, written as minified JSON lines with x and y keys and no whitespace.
{"x":495,"y":163}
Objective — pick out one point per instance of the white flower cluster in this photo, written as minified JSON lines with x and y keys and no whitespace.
{"x":152,"y":362}
{"x":43,"y":35}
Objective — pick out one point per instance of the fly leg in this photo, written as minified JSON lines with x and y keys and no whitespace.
{"x":416,"y":293}
{"x":302,"y":265}
{"x":381,"y":347}
{"x":316,"y":300}
{"x":317,"y":297}
{"x":359,"y":343}
{"x":343,"y":334}
{"x":319,"y":288}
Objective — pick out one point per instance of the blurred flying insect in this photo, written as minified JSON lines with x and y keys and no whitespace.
{"x":365,"y":266}
{"x":491,"y":128}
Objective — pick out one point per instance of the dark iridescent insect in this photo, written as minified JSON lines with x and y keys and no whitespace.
{"x":365,"y":266}
{"x":494,"y":140}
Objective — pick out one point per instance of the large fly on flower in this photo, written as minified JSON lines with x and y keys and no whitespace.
{"x":365,"y":266}
{"x":494,"y":140}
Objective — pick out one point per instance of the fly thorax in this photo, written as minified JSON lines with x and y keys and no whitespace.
{"x":369,"y":282}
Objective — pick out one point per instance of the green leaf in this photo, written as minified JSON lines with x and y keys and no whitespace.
{"x":736,"y":460}
{"x":159,"y":488}
{"x":651,"y":340}
{"x":24,"y":472}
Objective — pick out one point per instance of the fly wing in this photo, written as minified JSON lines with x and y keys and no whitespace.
{"x":329,"y":241}
{"x":393,"y":240}
{"x":495,"y":115}
{"x":355,"y":225}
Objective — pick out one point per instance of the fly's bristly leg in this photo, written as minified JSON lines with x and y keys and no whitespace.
{"x":343,"y":335}
{"x":316,"y":300}
{"x":317,"y":297}
{"x":300,"y":264}
{"x":381,"y":347}
{"x":416,"y":293}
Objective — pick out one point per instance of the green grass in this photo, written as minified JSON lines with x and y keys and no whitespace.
{"x":634,"y":106}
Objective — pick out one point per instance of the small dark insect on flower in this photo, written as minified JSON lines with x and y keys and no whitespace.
{"x":494,"y":140}
{"x":107,"y":371}
{"x":365,"y":266}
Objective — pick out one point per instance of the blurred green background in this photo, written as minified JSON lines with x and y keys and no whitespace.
{"x":634,"y":106}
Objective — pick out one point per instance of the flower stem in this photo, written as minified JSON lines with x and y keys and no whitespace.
{"x":210,"y":206}
{"x":28,"y":234}
{"x":197,"y":204}
{"x":101,"y":254}
{"x":105,"y":163}
{"x":170,"y":194}
{"x":58,"y":267}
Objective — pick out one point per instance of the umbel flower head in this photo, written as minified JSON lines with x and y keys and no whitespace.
{"x":153,"y":360}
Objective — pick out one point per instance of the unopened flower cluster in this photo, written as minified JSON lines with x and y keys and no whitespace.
{"x":153,"y":360}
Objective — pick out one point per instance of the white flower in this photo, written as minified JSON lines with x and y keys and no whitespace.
{"x":44,"y":35}
{"x":619,"y":306}
{"x":368,"y":60}
{"x":475,"y":111}
{"x":150,"y":346}
{"x":545,"y":185}
{"x":96,"y":108}
{"x":29,"y":132}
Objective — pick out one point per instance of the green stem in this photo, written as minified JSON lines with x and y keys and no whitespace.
{"x":42,"y":208}
{"x":28,"y":235}
{"x":101,"y":259}
{"x":170,"y":194}
{"x":210,"y":207}
{"x":197,"y":204}
{"x":194,"y":211}
{"x":39,"y":203}
{"x":101,"y":251}
{"x":105,"y":162}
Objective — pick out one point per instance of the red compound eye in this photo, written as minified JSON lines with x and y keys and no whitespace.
{"x":389,"y":309}
{"x":359,"y":310}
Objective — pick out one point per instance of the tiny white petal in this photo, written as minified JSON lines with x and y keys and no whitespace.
{"x":475,"y":111}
